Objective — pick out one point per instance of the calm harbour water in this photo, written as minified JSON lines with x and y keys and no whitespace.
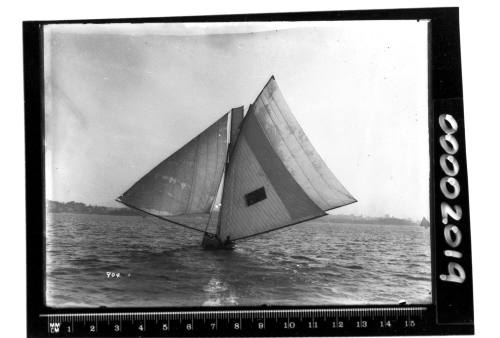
{"x":318,"y":262}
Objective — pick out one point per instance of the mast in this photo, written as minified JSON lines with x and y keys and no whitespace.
{"x":235,"y":120}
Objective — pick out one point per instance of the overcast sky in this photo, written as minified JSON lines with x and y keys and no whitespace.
{"x":121,"y":98}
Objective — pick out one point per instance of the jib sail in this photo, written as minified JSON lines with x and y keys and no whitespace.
{"x":183,"y":187}
{"x":275,"y":178}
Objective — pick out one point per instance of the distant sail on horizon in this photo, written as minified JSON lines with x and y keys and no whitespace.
{"x":270,"y":175}
{"x":425,"y":223}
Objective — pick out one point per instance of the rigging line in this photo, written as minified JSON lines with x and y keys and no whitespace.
{"x":290,"y":224}
{"x":218,"y":184}
{"x":215,"y":199}
{"x":211,"y":209}
{"x":222,"y":177}
{"x":160,"y":217}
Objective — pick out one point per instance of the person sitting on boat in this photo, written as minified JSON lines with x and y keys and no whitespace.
{"x":227,"y":241}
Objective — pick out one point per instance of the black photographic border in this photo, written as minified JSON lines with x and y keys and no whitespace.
{"x":451,"y":311}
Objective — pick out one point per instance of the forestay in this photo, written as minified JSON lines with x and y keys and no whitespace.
{"x":183,"y":187}
{"x":275,"y":177}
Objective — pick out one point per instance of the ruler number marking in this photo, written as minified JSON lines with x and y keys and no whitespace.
{"x":387,"y":318}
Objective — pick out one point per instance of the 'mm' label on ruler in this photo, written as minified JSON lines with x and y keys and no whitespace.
{"x":384,"y":320}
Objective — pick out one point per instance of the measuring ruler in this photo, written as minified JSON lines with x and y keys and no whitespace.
{"x":266,"y":322}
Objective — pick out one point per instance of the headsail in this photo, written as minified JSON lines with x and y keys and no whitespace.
{"x":183,"y":186}
{"x":275,"y":177}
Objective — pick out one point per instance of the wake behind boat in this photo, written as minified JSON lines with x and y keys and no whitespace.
{"x":261,"y":164}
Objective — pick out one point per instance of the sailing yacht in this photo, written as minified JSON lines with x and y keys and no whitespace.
{"x":245,"y":175}
{"x":425,"y":223}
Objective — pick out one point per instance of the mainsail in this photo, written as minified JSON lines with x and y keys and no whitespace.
{"x":183,"y":187}
{"x":275,"y":178}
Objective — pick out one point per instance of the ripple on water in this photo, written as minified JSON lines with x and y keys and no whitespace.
{"x":348,"y":263}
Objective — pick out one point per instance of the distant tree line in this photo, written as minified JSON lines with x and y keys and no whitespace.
{"x":387,"y":220}
{"x":81,"y":208}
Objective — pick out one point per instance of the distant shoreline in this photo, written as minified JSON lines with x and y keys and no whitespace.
{"x":81,"y":208}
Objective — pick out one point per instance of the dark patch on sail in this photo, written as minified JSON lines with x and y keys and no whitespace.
{"x":296,"y":201}
{"x":255,"y":196}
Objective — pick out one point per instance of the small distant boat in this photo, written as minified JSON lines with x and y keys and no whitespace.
{"x":260,"y":166}
{"x":425,"y":223}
